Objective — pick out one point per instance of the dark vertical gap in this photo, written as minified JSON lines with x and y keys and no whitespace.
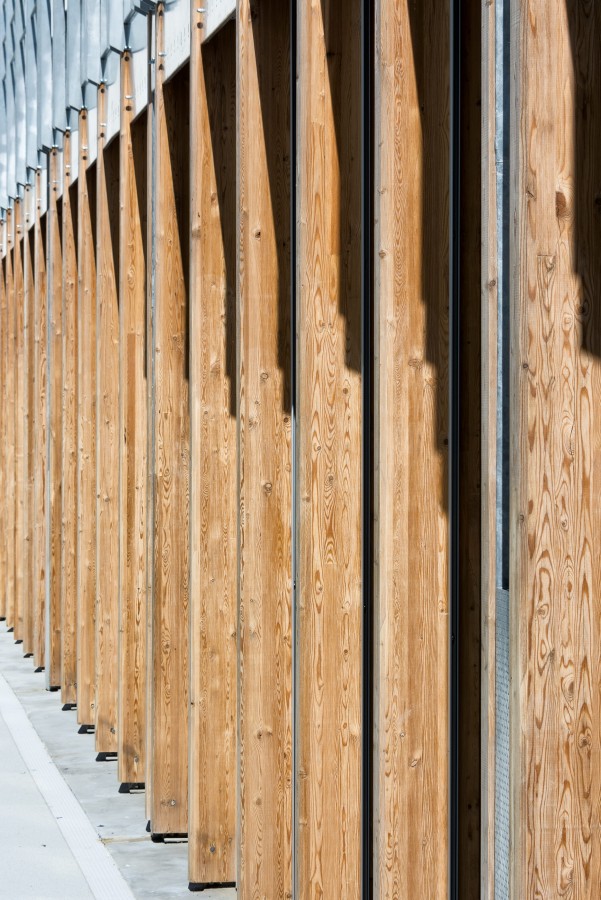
{"x":73,"y":206}
{"x":90,"y":176}
{"x":454,"y":265}
{"x":139,"y":144}
{"x":111,"y":174}
{"x":367,"y":114}
{"x":176,"y":96}
{"x":469,"y":496}
{"x":219,"y":67}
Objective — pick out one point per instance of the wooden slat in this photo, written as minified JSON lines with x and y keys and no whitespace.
{"x":3,"y":416}
{"x":329,"y":620}
{"x":265,"y":450}
{"x":69,"y":441}
{"x":29,"y":407}
{"x":10,"y":423}
{"x":19,"y":302}
{"x":107,"y":433}
{"x":213,"y":475}
{"x":133,"y":438}
{"x":555,"y":434}
{"x":40,"y":431}
{"x":86,"y":450}
{"x":411,"y":333}
{"x":55,"y":291}
{"x":168,"y":770}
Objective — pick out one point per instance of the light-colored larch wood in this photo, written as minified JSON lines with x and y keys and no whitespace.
{"x":213,"y":474}
{"x":54,"y":269}
{"x":107,"y":433}
{"x":40,"y":430}
{"x":19,"y":474}
{"x":329,"y":448}
{"x":3,"y":414}
{"x":168,"y":723}
{"x":29,"y":410}
{"x":10,"y":422}
{"x":555,"y":435}
{"x":69,"y":440}
{"x":411,"y":335}
{"x":264,"y":323}
{"x":86,"y":440}
{"x":133,"y":438}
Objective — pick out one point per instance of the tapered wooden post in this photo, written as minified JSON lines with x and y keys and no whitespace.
{"x":329,"y":448}
{"x":69,"y":441}
{"x":264,"y":323}
{"x":169,"y":612}
{"x":133,"y":438}
{"x":555,"y":434}
{"x":40,"y":430}
{"x":411,"y":333}
{"x":86,"y":450}
{"x":213,"y":476}
{"x":10,"y":422}
{"x":19,"y":473}
{"x":55,"y":293}
{"x":3,"y":413}
{"x":107,"y":433}
{"x":29,"y":409}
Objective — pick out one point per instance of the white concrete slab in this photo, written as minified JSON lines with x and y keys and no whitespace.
{"x":36,"y":860}
{"x":151,"y":870}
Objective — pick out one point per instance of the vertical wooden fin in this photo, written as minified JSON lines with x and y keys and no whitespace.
{"x":40,"y":429}
{"x":29,"y":407}
{"x":19,"y":475}
{"x":170,"y":614}
{"x":86,"y":450}
{"x":107,"y":433}
{"x":411,"y":629}
{"x":213,"y":476}
{"x":330,"y":600}
{"x":3,"y":414}
{"x":555,"y":435}
{"x":55,"y":293}
{"x":10,"y":422}
{"x":264,"y":322}
{"x":69,"y":443}
{"x":133,"y":438}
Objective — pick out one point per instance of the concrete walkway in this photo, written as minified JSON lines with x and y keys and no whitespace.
{"x":66,"y":831}
{"x":35,"y":859}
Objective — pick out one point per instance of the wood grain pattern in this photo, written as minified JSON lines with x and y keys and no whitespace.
{"x":133,"y":439}
{"x":86,"y":450}
{"x":10,"y":422}
{"x":329,"y":638}
{"x":29,"y":410}
{"x":555,"y":570}
{"x":69,"y":441}
{"x":264,"y":323}
{"x":213,"y":472}
{"x":170,"y":607}
{"x":3,"y":413}
{"x":107,"y":433}
{"x":40,"y":431}
{"x":411,"y":627}
{"x":55,"y":351}
{"x":19,"y":303}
